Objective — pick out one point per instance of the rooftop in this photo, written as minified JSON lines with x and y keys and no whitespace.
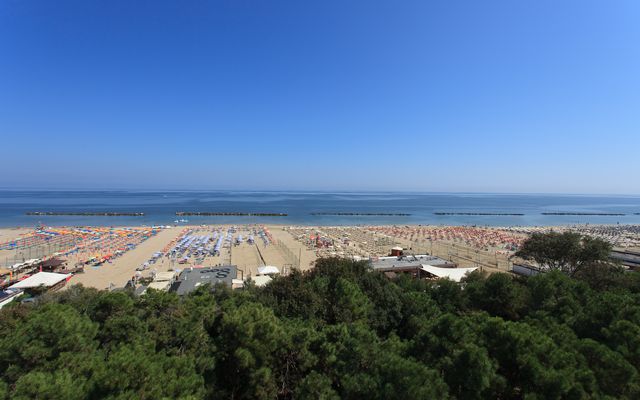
{"x":409,"y":261}
{"x":161,"y":285}
{"x":46,"y":279}
{"x":191,"y":278}
{"x":164,"y":276}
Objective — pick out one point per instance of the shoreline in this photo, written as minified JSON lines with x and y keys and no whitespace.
{"x":315,"y":224}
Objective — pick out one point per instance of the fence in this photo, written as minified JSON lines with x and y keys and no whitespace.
{"x":22,"y":254}
{"x":464,"y":255}
{"x":289,"y":256}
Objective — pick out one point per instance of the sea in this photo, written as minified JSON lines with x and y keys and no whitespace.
{"x":313,"y":208}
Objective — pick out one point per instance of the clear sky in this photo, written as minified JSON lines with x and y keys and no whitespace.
{"x":474,"y":96}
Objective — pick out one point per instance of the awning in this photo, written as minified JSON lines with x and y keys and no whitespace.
{"x":268,"y":269}
{"x":454,"y":274}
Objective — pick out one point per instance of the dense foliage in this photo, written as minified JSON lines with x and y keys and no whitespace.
{"x":569,"y":252}
{"x":339,"y":331}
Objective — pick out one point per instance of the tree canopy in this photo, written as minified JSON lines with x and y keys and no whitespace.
{"x":568,"y":252}
{"x":338,"y":331}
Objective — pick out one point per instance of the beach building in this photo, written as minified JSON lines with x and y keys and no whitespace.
{"x":167,"y":276}
{"x":48,"y":280}
{"x":51,"y":264}
{"x":192,"y":278}
{"x":411,"y":264}
{"x":162,"y":281}
{"x":161,"y":285}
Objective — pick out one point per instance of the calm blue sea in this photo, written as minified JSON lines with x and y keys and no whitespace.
{"x":160,"y":207}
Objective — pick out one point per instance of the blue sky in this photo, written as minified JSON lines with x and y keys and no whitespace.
{"x":472,"y":96}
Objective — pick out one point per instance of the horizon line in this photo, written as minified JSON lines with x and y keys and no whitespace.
{"x":310,"y":191}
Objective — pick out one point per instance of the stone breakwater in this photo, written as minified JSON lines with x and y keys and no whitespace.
{"x":228,"y":214}
{"x":478,"y":213}
{"x":522,"y":214}
{"x":86,"y":214}
{"x":361,"y":214}
{"x":582,"y":213}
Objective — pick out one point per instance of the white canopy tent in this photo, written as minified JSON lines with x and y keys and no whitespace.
{"x":268,"y":270}
{"x":454,"y":274}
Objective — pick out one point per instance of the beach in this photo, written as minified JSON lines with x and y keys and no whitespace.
{"x":110,"y":257}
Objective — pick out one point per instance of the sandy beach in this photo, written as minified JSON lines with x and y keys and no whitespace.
{"x":117,"y":272}
{"x":282,"y":250}
{"x":286,"y":247}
